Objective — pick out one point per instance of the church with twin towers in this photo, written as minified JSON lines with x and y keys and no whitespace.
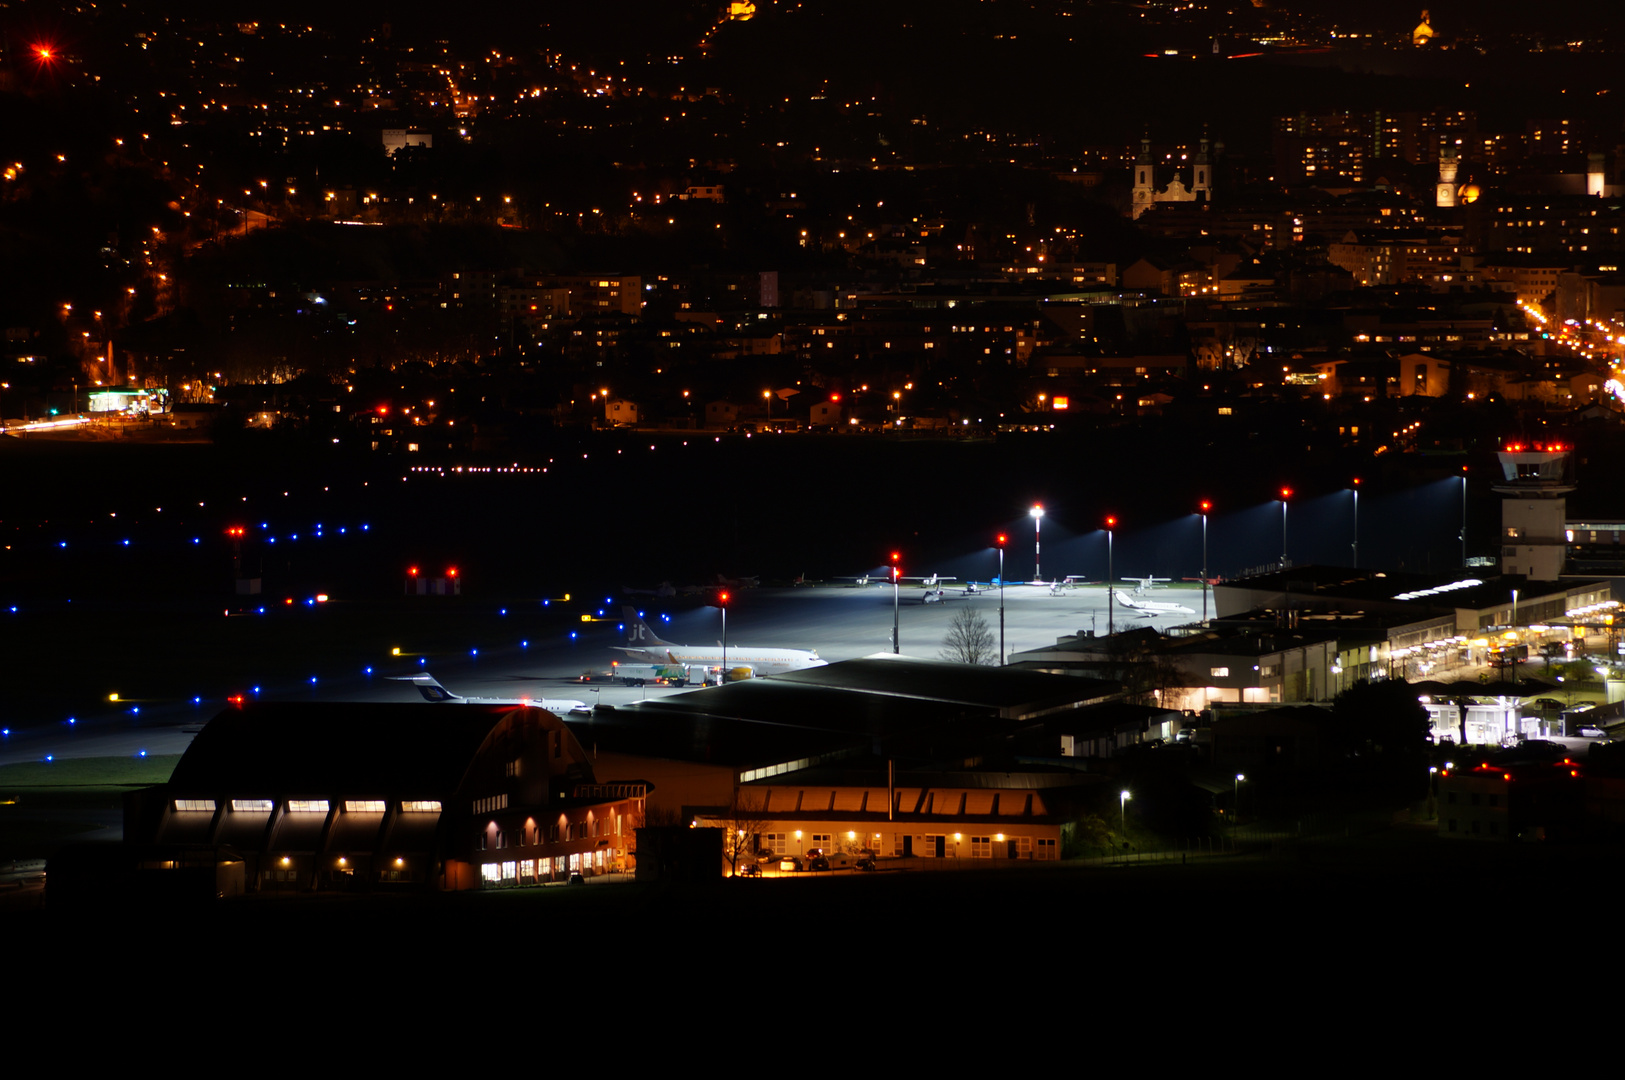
{"x":1198,"y":167}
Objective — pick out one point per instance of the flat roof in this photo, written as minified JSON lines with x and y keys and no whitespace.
{"x":1009,"y":693}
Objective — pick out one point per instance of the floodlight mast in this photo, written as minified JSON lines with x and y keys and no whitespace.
{"x":1001,"y":542}
{"x":896,"y":569}
{"x":1037,"y":513}
{"x":1206,"y":506}
{"x":1111,"y":598}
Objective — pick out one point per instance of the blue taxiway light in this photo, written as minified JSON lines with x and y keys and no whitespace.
{"x":62,"y":543}
{"x":422,"y":660}
{"x":369,"y":671}
{"x":50,"y":758}
{"x":503,"y":611}
{"x":473,"y":652}
{"x":197,"y":701}
{"x":141,"y":753}
{"x":256,"y":689}
{"x":572,"y":635}
{"x":5,"y":732}
{"x":524,"y":644}
{"x":194,"y":539}
{"x":126,"y":543}
{"x":135,"y":710}
{"x":313,"y":680}
{"x":71,"y":721}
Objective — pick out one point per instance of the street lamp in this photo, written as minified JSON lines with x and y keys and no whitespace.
{"x":1237,"y":807}
{"x":895,"y":571}
{"x":1111,"y":598}
{"x":1206,"y":506}
{"x":1286,"y":493}
{"x":1122,"y":809}
{"x":1001,"y":542}
{"x":1355,"y":561}
{"x":1038,"y":518}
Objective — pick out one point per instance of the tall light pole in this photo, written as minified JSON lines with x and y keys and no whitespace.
{"x":1464,"y":516}
{"x":1001,"y":541}
{"x":1239,"y":779}
{"x":1286,"y":493}
{"x":1355,"y":561}
{"x":896,"y":569}
{"x":723,"y":603}
{"x":1206,"y":506}
{"x":1111,"y":598}
{"x":1038,"y":519}
{"x":1122,"y":810}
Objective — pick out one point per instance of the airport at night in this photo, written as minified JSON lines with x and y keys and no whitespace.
{"x":1010,"y":485}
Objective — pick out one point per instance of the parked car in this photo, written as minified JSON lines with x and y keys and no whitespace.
{"x":749,"y":869}
{"x":790,"y":863}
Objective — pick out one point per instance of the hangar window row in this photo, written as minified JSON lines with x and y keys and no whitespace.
{"x":311,"y":806}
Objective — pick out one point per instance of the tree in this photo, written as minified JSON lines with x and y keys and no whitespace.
{"x":969,"y":640}
{"x":741,"y":823}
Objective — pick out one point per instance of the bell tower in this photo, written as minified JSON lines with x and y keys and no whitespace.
{"x":1202,"y":166}
{"x":1449,"y":165}
{"x":1145,"y":172}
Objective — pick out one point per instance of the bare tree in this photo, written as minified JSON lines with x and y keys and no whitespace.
{"x":741,"y":822}
{"x":969,"y":640}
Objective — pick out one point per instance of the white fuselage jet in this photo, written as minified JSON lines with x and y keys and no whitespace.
{"x":1151,"y":607}
{"x":643,"y":644}
{"x":431,"y":690}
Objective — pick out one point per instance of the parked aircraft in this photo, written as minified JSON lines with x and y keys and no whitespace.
{"x":1151,"y":608}
{"x":431,"y":690}
{"x":1146,"y":584}
{"x":933,"y":582}
{"x":743,"y":661}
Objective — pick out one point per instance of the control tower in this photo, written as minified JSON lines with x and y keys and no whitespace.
{"x":1536,"y":477}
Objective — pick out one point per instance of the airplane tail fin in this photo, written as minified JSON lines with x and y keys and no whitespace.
{"x":639,"y":634}
{"x":428,"y":686}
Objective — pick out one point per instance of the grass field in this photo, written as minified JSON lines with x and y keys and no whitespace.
{"x":44,"y":805}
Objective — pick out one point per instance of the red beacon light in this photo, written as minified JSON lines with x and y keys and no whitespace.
{"x":451,"y":572}
{"x":412,"y":571}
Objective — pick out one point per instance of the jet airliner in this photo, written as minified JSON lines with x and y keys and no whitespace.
{"x":645,"y":645}
{"x":431,"y":690}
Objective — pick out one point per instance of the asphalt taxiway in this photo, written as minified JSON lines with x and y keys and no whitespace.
{"x":840,"y":622}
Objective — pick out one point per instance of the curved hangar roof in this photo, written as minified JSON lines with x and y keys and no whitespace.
{"x":333,"y":746}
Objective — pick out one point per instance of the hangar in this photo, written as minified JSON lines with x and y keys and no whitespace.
{"x":342,"y":795}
